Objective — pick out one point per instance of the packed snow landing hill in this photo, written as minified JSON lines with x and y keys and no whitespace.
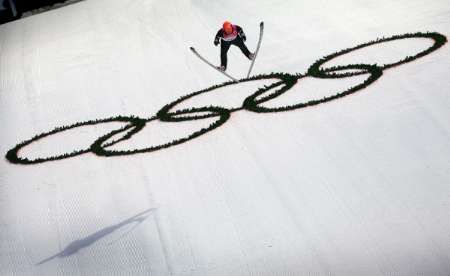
{"x":124,"y":153}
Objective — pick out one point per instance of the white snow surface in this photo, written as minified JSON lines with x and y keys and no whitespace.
{"x":355,"y":186}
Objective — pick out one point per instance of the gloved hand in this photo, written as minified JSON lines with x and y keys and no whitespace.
{"x":216,"y":42}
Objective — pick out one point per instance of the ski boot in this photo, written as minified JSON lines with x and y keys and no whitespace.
{"x":221,"y":68}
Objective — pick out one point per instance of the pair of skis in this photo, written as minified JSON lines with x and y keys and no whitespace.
{"x":261,"y":31}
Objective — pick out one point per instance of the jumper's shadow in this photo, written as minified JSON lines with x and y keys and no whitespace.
{"x":77,"y":245}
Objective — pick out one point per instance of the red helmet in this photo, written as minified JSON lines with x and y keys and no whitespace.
{"x":227,"y":27}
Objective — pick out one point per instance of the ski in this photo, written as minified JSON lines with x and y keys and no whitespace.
{"x":261,"y":31}
{"x":212,"y":65}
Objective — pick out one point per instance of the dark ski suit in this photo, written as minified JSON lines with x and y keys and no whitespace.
{"x":237,"y":38}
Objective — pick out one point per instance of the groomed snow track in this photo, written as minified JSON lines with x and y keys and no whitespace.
{"x":125,"y":154}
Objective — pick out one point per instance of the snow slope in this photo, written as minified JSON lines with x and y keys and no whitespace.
{"x":355,"y":186}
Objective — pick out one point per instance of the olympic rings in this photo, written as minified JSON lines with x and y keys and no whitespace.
{"x":252,"y":103}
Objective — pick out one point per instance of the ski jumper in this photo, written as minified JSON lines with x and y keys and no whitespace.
{"x":236,"y":37}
